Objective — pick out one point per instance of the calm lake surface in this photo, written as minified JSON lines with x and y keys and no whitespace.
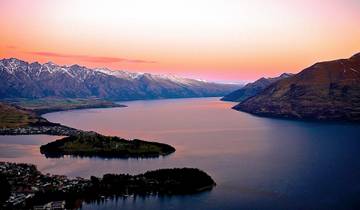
{"x":257,"y":163}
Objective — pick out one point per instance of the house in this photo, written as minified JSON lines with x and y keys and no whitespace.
{"x":54,"y":205}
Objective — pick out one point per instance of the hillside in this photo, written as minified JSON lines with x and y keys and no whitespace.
{"x":251,"y":89}
{"x":45,"y":105}
{"x":325,"y":91}
{"x":13,"y":117}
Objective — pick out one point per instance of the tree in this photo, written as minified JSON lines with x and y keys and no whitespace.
{"x":4,"y":189}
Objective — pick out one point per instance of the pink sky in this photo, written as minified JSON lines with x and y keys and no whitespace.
{"x":218,"y":40}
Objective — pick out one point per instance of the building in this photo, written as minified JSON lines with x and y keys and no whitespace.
{"x":55,"y":205}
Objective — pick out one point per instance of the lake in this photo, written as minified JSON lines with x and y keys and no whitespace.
{"x":257,"y":163}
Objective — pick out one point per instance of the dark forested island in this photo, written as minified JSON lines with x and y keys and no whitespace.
{"x":28,"y":187}
{"x":89,"y":144}
{"x":16,"y":120}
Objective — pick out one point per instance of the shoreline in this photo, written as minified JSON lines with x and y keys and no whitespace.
{"x":42,"y":106}
{"x":78,"y":142}
{"x":40,"y":189}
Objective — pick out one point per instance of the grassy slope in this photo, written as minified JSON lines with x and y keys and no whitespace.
{"x":13,"y":117}
{"x":22,"y":112}
{"x":327,"y":90}
{"x":85,"y":144}
{"x":44,"y":105}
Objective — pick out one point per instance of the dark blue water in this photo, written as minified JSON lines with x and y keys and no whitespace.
{"x":258,"y":163}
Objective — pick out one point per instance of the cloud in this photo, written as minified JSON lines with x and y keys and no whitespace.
{"x":93,"y":59}
{"x":11,"y":47}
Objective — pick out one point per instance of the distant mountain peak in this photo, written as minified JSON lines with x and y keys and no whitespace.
{"x":11,"y":59}
{"x":50,"y":63}
{"x":356,"y":56}
{"x":251,"y":89}
{"x":285,"y":75}
{"x":21,"y":79}
{"x":328,"y":90}
{"x":77,"y":66}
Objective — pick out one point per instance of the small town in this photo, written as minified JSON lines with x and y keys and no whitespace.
{"x":40,"y":129}
{"x":26,"y":182}
{"x":24,"y":187}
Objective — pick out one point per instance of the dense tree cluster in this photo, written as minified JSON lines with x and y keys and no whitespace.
{"x":89,"y":144}
{"x":4,"y":188}
{"x":25,"y":179}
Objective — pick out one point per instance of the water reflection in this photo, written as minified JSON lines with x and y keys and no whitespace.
{"x":257,"y":162}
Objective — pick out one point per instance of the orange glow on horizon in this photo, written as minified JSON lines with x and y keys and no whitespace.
{"x":233,"y":40}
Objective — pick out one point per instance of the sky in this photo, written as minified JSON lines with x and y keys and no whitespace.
{"x":216,"y":40}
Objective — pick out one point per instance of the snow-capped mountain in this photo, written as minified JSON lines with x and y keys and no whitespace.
{"x":120,"y":74}
{"x":32,"y":80}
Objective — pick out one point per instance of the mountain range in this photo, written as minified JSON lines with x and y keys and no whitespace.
{"x":327,"y":90}
{"x":251,"y":89}
{"x":20,"y":79}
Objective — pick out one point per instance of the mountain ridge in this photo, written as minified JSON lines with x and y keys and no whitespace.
{"x":35,"y":80}
{"x":328,"y":90}
{"x":253,"y":88}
